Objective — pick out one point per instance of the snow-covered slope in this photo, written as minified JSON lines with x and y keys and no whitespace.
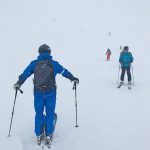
{"x":77,"y":31}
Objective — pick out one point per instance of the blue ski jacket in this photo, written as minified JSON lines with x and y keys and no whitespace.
{"x":58,"y":69}
{"x":126,"y":59}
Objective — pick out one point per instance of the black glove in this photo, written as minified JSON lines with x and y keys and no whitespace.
{"x":16,"y":86}
{"x":74,"y":79}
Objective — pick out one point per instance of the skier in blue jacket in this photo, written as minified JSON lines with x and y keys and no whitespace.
{"x":125,"y":60}
{"x":44,"y":97}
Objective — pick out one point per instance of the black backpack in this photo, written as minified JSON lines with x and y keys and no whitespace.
{"x":44,"y":76}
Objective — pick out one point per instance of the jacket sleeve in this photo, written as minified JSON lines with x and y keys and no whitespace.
{"x":27,"y":73}
{"x":120,"y":58}
{"x":64,"y":72}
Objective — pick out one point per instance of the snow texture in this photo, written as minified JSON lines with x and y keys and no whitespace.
{"x":79,"y":33}
{"x":10,"y":143}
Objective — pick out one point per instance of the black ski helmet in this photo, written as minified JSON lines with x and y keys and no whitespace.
{"x":126,"y":48}
{"x":44,"y":48}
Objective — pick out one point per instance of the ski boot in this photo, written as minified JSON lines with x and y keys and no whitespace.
{"x":39,"y":140}
{"x":49,"y":140}
{"x":129,"y":85}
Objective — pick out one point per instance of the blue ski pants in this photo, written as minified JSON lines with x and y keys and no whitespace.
{"x":44,"y":105}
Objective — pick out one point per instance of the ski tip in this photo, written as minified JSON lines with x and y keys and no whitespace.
{"x":119,"y":87}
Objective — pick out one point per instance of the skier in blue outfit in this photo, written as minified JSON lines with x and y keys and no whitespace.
{"x":44,"y":89}
{"x":125,"y":60}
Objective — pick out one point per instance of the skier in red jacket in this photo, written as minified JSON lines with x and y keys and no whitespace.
{"x":108,"y":53}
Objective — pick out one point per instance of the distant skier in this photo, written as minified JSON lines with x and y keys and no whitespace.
{"x":45,"y":70}
{"x":125,"y":60}
{"x":108,"y":53}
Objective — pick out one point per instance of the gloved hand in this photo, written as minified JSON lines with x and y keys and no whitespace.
{"x":16,"y":86}
{"x":74,"y":79}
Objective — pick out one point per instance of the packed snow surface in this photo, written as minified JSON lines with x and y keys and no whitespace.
{"x":79,"y":33}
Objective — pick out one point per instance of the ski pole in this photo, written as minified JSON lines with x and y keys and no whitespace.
{"x":14,"y":109}
{"x":132,"y":74}
{"x":75,"y":88}
{"x":118,"y":75}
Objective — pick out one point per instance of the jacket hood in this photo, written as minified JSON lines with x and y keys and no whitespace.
{"x":44,"y":56}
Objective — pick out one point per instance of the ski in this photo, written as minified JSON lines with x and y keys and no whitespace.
{"x":41,"y":143}
{"x":129,"y":87}
{"x":48,"y":143}
{"x":119,"y":86}
{"x":40,"y":147}
{"x":44,"y":146}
